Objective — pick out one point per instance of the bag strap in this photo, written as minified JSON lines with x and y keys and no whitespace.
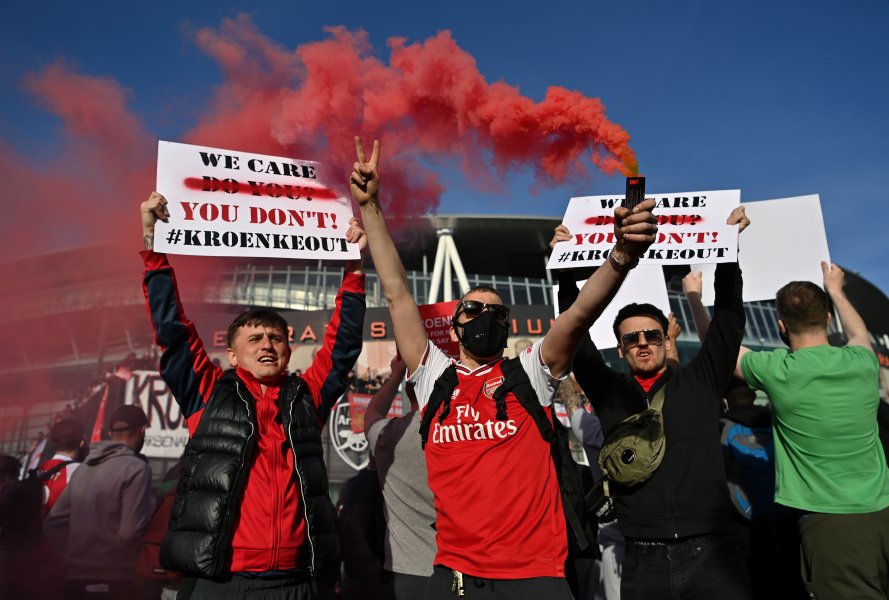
{"x":517,"y":382}
{"x":441,"y":392}
{"x":658,"y":402}
{"x":45,"y":475}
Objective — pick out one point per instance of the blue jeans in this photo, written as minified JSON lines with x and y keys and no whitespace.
{"x":696,"y":568}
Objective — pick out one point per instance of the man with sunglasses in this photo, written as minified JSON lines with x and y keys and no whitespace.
{"x":500,"y":527}
{"x":678,"y":523}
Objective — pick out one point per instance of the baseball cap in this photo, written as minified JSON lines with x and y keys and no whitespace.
{"x":126,"y":417}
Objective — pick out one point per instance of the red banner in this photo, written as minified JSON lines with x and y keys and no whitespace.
{"x":437,"y":321}
{"x":358,"y":406}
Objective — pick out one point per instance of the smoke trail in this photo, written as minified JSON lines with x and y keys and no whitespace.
{"x":428,"y":103}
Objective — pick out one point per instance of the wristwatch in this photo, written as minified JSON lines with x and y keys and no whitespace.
{"x":621,"y":267}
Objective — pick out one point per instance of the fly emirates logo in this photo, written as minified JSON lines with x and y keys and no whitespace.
{"x":469,"y":428}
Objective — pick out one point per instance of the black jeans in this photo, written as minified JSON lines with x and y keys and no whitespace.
{"x":696,"y":568}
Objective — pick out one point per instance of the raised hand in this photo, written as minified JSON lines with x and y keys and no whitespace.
{"x":365,"y":179}
{"x":673,"y":327}
{"x":738,"y":217}
{"x":834,"y":278}
{"x":151,"y":210}
{"x":560,"y":234}
{"x":693,"y":283}
{"x":355,"y":234}
{"x":635,"y":229}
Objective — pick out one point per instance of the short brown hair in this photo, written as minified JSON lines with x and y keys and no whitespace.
{"x":802,"y":306}
{"x":67,"y":434}
{"x":261,"y":317}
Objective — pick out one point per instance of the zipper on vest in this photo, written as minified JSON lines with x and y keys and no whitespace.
{"x":302,"y":488}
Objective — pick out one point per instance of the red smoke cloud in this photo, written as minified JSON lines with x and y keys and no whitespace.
{"x":428,"y":104}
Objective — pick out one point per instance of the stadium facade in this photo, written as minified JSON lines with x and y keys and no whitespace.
{"x":83,"y":335}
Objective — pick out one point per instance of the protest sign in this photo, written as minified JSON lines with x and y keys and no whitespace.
{"x":167,"y":434}
{"x":643,"y":284}
{"x":358,"y":406}
{"x":437,"y":321}
{"x":691,"y":230}
{"x":785,"y":242}
{"x":227,"y":203}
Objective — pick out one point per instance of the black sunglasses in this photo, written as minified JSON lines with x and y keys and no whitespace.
{"x":473,"y":308}
{"x":654,"y":337}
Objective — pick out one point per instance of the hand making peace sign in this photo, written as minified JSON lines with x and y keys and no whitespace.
{"x":365,"y":179}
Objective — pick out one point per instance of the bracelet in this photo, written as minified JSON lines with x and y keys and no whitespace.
{"x":619,"y":266}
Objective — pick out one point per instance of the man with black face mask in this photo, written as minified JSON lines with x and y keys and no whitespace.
{"x":500,"y":527}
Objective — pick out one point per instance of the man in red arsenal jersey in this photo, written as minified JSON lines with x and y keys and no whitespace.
{"x":252,"y":513}
{"x":499,"y":520}
{"x":67,"y":437}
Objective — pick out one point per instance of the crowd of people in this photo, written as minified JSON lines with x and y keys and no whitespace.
{"x":472,"y":492}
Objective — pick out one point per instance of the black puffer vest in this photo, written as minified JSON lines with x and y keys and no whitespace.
{"x":214,"y":471}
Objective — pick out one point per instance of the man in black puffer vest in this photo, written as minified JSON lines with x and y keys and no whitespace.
{"x":252,"y":512}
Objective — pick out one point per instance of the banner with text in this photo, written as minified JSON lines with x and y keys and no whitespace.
{"x":227,"y":203}
{"x":691,"y":230}
{"x":437,"y":321}
{"x":167,"y":434}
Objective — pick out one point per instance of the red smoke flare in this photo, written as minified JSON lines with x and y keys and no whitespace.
{"x":428,"y":104}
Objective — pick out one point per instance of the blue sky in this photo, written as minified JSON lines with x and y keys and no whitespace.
{"x":775,"y":98}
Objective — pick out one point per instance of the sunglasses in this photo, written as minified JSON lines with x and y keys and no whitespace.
{"x":473,"y":308}
{"x":654,"y":337}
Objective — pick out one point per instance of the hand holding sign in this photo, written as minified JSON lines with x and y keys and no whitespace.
{"x":151,"y":210}
{"x":365,"y":179}
{"x":738,"y":217}
{"x":560,"y":234}
{"x":355,"y":234}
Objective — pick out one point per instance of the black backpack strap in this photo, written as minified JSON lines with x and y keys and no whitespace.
{"x":45,"y":475}
{"x":441,"y":394}
{"x":570,"y":486}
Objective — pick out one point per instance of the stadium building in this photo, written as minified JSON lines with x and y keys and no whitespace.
{"x":79,"y":339}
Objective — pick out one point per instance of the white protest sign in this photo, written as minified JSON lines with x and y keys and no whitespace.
{"x":785,"y":242}
{"x":644,"y":284}
{"x":227,"y":203}
{"x":691,"y":230}
{"x":167,"y":434}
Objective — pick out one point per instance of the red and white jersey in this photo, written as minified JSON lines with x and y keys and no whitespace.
{"x":497,"y":500}
{"x":55,"y":485}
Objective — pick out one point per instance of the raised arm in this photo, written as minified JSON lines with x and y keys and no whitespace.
{"x":692,"y":287}
{"x":673,"y":331}
{"x":410,"y":335}
{"x":635,"y":231}
{"x":328,"y":374}
{"x":184,"y":364}
{"x":382,"y":401}
{"x":853,"y":324}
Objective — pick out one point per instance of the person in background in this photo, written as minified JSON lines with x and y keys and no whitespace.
{"x":401,"y":468}
{"x":829,"y":463}
{"x":98,"y":521}
{"x":67,"y":437}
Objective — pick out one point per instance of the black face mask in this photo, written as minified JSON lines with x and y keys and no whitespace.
{"x":483,"y":336}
